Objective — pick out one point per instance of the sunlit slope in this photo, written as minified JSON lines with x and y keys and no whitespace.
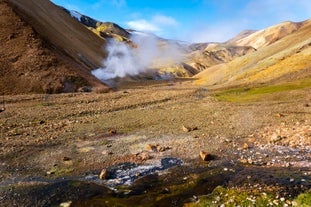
{"x":288,"y":55}
{"x":266,"y":36}
{"x":60,"y":29}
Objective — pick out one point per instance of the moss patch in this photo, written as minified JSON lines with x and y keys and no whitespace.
{"x":245,"y":94}
{"x":303,"y":200}
{"x":231,"y":197}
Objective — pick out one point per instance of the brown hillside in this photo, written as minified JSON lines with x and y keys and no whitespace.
{"x":30,"y":64}
{"x":59,"y":28}
{"x":280,"y":61}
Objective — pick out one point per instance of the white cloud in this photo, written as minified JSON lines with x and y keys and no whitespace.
{"x":276,"y":11}
{"x":157,"y":24}
{"x":164,"y":20}
{"x":218,"y":32}
{"x":143,"y":25}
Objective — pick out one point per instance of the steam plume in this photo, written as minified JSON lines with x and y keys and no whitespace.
{"x":124,"y":60}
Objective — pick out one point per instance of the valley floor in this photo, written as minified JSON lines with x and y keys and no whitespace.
{"x":50,"y":142}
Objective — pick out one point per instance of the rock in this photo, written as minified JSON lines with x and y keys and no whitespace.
{"x":156,"y":148}
{"x":84,"y":89}
{"x":205,"y":156}
{"x":245,"y":146}
{"x":243,"y":161}
{"x":228,"y":140}
{"x":185,"y":129}
{"x":165,"y":191}
{"x":144,"y":156}
{"x":11,"y":36}
{"x":279,"y":115}
{"x":275,"y":138}
{"x":103,"y":174}
{"x":112,"y":131}
{"x":160,"y":148}
{"x":65,"y":204}
{"x":66,"y":158}
{"x":307,"y":105}
{"x":151,"y":147}
{"x":50,"y":172}
{"x":189,"y":129}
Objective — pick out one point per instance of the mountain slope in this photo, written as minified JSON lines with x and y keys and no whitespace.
{"x":31,"y":64}
{"x":56,"y":26}
{"x":276,"y":62}
{"x":266,"y":36}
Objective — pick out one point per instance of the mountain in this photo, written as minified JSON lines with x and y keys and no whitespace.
{"x":241,"y":35}
{"x":262,"y":38}
{"x":281,"y":59}
{"x":43,"y":50}
{"x":206,"y":55}
{"x":209,"y":54}
{"x":102,"y":29}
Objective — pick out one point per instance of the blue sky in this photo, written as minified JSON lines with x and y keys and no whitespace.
{"x":192,"y":20}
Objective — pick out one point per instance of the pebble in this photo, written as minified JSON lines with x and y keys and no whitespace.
{"x":245,"y":146}
{"x":66,"y":158}
{"x":103,"y":174}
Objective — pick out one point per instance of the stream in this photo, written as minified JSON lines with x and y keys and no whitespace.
{"x":169,"y":181}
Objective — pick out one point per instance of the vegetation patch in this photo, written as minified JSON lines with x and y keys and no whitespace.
{"x":246,"y":94}
{"x":303,"y":199}
{"x":233,"y":197}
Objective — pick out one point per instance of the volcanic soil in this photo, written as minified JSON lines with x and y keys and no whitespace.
{"x":46,"y":139}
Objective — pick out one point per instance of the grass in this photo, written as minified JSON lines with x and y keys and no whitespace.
{"x":246,"y":94}
{"x":231,"y":197}
{"x":303,"y":200}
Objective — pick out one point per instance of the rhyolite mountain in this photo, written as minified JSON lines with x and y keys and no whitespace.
{"x":283,"y":54}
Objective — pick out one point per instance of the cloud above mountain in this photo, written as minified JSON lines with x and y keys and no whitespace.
{"x":156,"y":24}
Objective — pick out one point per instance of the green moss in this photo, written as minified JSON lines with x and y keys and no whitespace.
{"x":255,"y":94}
{"x":60,"y":171}
{"x":303,"y":200}
{"x":232,"y":197}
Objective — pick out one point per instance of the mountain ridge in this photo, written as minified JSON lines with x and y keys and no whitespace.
{"x":290,"y":54}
